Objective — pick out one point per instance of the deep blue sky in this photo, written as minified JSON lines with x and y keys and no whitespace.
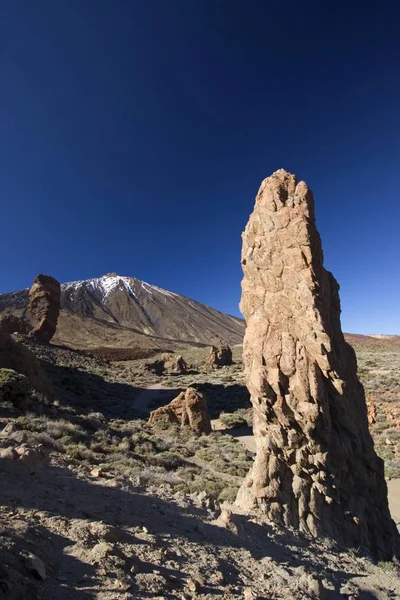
{"x":134,"y":136}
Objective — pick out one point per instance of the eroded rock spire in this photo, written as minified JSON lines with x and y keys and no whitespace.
{"x":315,"y":468}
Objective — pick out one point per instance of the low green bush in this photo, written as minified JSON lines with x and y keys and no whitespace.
{"x":14,"y":388}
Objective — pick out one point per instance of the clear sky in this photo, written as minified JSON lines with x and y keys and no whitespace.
{"x":134,"y":136}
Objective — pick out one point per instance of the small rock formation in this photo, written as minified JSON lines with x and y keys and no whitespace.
{"x":40,"y":320}
{"x":44,"y":306}
{"x":155,"y":366}
{"x":315,"y":468}
{"x":371,"y":409}
{"x":14,"y":355}
{"x":168,"y":363}
{"x":175,"y":364}
{"x":189,"y":408}
{"x":10,"y":323}
{"x":220,"y":357}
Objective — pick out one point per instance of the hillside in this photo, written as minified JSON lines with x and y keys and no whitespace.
{"x":125,"y":312}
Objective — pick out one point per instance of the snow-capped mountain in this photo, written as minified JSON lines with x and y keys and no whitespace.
{"x":123,"y":311}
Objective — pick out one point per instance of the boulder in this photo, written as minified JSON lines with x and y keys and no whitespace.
{"x":44,"y":307}
{"x":14,"y":355}
{"x":168,"y":363}
{"x":175,"y":364}
{"x":40,"y":318}
{"x":316,"y":469}
{"x":12,"y":324}
{"x":188,"y":408}
{"x":220,"y":357}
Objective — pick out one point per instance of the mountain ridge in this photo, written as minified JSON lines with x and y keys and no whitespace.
{"x":121,"y":311}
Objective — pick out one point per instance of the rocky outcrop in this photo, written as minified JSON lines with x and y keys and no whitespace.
{"x":175,"y":364}
{"x":220,"y":357}
{"x":40,"y":318}
{"x":14,"y":355}
{"x":44,"y":306}
{"x":189,"y":408}
{"x":315,"y":467}
{"x":169,"y":363}
{"x":12,"y":324}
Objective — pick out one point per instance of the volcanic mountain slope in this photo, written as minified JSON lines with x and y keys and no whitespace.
{"x":117,"y":311}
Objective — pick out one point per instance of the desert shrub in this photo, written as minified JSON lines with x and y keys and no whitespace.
{"x":233,"y":420}
{"x":385,"y":452}
{"x":205,"y":454}
{"x":47,"y":441}
{"x":168,"y":460}
{"x":124,"y":445}
{"x":228,"y":494}
{"x":80,"y":452}
{"x":14,"y":388}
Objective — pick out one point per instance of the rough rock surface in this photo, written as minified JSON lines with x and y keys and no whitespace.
{"x":15,"y":355}
{"x":175,"y":364}
{"x":12,"y":324}
{"x":315,"y":467}
{"x":189,"y":408}
{"x":169,"y":363}
{"x":44,"y":306}
{"x":220,"y":357}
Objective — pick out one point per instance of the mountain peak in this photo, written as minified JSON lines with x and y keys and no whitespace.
{"x":119,"y":311}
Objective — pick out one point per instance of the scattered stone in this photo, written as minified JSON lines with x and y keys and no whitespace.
{"x":36,"y":566}
{"x":189,"y":408}
{"x":95,"y":472}
{"x":8,"y":430}
{"x":20,"y":437}
{"x":220,"y":357}
{"x":8,"y":454}
{"x":192,"y":585}
{"x":312,"y":585}
{"x":310,"y":416}
{"x":30,"y":457}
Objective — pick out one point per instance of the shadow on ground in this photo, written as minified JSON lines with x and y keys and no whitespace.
{"x":56,"y":499}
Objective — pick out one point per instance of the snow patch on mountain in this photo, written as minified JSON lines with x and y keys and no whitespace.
{"x":107,"y":283}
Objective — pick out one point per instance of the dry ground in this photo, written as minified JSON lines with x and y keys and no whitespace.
{"x":118,"y":509}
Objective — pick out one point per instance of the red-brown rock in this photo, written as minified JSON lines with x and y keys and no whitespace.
{"x":189,"y":408}
{"x":315,"y":468}
{"x":220,"y":357}
{"x":44,"y":306}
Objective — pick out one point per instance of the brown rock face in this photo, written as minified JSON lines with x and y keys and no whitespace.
{"x":11,"y":324}
{"x":14,"y":355}
{"x":189,"y":408}
{"x":220,"y":357}
{"x":315,"y":468}
{"x":175,"y":364}
{"x":168,"y":363}
{"x":44,"y":306}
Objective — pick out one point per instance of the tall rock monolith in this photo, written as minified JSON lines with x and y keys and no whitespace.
{"x":44,"y":306}
{"x":316,"y":468}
